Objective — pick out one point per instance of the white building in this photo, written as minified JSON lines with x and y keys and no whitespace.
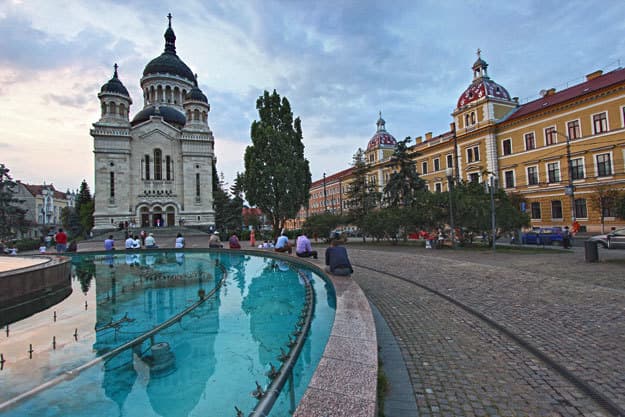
{"x":157,"y":167}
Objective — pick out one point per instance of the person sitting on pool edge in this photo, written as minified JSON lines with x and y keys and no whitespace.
{"x":336,"y":258}
{"x":282,"y":244}
{"x":303,"y":248}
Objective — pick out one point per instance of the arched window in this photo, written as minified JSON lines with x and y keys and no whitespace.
{"x":184,"y":94}
{"x":112,"y":108}
{"x":158,"y":164}
{"x":103,"y":109}
{"x":177,"y":95}
{"x":152,"y":95}
{"x":159,"y":94}
{"x":188,"y":115}
{"x":168,"y":168}
{"x":147,"y":167}
{"x":122,"y":109}
{"x":204,"y":116}
{"x":196,"y":114}
{"x":168,"y":97}
{"x":112,"y":185}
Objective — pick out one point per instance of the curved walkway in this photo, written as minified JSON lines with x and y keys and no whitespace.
{"x":461,"y":366}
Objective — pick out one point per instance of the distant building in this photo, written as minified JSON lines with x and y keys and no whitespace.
{"x":155,"y":169}
{"x":43,"y":205}
{"x":558,"y":151}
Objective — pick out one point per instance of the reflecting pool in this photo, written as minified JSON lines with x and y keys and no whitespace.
{"x":233,"y":314}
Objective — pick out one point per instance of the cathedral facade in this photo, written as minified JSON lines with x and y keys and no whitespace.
{"x":156,"y":168}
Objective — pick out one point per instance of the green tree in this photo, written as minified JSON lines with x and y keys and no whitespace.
{"x":277,"y":175}
{"x":323,"y":223}
{"x":12,"y":217}
{"x":404,"y":183}
{"x":361,"y":195}
{"x":84,"y":208}
{"x":605,"y":200}
{"x":70,"y":220}
{"x":221,"y":202}
{"x":384,"y":223}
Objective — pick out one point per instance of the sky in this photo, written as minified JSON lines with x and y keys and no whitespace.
{"x":339,"y":63}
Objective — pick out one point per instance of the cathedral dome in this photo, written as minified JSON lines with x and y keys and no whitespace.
{"x":169,"y":114}
{"x":482,"y":86}
{"x":195,"y":94}
{"x":168,"y":62}
{"x":114,"y":85}
{"x":381,"y":137}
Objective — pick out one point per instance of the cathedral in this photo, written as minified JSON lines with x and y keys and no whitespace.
{"x":156,"y":169}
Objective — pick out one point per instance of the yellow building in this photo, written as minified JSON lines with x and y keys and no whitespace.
{"x":560,"y":152}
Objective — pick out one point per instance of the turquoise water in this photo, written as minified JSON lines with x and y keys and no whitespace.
{"x":216,"y":352}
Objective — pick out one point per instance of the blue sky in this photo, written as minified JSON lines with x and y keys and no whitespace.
{"x":338,"y":63}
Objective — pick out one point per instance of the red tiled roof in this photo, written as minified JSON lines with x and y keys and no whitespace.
{"x":333,"y":177}
{"x":36,"y":190}
{"x":587,"y":87}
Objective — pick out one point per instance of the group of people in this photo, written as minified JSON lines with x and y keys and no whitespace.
{"x":60,"y":241}
{"x":139,"y":241}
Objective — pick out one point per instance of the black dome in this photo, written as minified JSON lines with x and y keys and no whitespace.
{"x":114,"y":85}
{"x":169,"y":114}
{"x":195,"y":94}
{"x":168,"y":63}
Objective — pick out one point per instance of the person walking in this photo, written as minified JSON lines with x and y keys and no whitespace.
{"x":61,"y":241}
{"x":566,"y":238}
{"x":303,"y":248}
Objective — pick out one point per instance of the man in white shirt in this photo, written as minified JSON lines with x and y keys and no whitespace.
{"x":129,"y":242}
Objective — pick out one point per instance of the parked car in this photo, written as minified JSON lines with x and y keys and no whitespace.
{"x":542,"y":236}
{"x":613,"y":240}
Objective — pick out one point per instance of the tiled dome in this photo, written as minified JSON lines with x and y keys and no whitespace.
{"x":381,"y":137}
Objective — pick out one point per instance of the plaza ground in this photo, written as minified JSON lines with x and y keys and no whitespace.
{"x":455,"y":363}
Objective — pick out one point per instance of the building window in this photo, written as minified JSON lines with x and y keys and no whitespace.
{"x":608,"y":211}
{"x":507,"y":146}
{"x":600,"y":122}
{"x":450,"y":161}
{"x":158,"y":164}
{"x":424,"y":167}
{"x":556,"y":209}
{"x":553,"y":172}
{"x":112,"y":184}
{"x":530,"y":141}
{"x":577,"y":168}
{"x":474,"y":177}
{"x":604,"y":165}
{"x":532,"y":175}
{"x":438,"y":187}
{"x":437,"y":164}
{"x":509,"y":179}
{"x":550,"y":136}
{"x":473,"y":154}
{"x":197,"y":185}
{"x":168,"y":168}
{"x":573,"y":129}
{"x":535,"y":210}
{"x":147,"y":167}
{"x":580,"y":208}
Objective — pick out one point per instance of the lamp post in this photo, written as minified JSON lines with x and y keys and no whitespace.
{"x":570,"y":188}
{"x":450,"y":181}
{"x":493,"y":221}
{"x":325,"y":195}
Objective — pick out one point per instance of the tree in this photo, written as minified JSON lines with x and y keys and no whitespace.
{"x":277,"y":175}
{"x":605,"y":200}
{"x":323,"y":223}
{"x":221,"y":203}
{"x":361,"y":195}
{"x":84,"y":207}
{"x":404,"y":183}
{"x":12,"y":217}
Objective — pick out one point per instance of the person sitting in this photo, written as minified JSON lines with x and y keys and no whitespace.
{"x":42,"y":248}
{"x":73,"y":246}
{"x":303,"y":248}
{"x":150,"y":242}
{"x":283,"y":245}
{"x":129,"y":242}
{"x":109,"y":244}
{"x":214,"y":241}
{"x":336,"y":259}
{"x":234,"y":242}
{"x":179,"y":241}
{"x":136,"y":244}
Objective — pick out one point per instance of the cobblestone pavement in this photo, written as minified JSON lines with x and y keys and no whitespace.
{"x":460,"y":366}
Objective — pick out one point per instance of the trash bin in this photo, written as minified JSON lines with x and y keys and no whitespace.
{"x":591,"y":251}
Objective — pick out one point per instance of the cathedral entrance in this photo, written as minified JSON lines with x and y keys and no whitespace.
{"x":145,"y":217}
{"x":171,"y":216}
{"x":157,"y":217}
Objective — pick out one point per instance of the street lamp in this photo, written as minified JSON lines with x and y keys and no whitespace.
{"x":449,"y":172}
{"x":570,"y":189}
{"x":493,"y":221}
{"x":325,"y":195}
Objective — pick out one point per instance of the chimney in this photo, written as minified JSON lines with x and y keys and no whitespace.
{"x":594,"y":75}
{"x":515,"y":99}
{"x":428,"y":136}
{"x":418,"y":139}
{"x":452,"y":127}
{"x":550,"y":92}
